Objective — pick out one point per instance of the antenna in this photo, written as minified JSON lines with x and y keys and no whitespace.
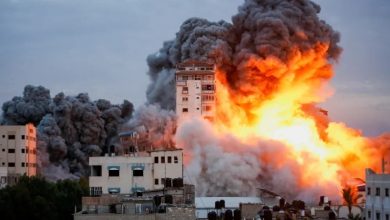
{"x":383,"y":164}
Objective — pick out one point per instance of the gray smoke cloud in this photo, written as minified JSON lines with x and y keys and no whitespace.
{"x":70,"y":128}
{"x":261,"y":29}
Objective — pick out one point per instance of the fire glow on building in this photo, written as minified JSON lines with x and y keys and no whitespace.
{"x":273,"y":64}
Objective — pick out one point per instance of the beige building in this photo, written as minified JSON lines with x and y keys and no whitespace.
{"x":195,"y":89}
{"x":17,"y":152}
{"x":377,"y":196}
{"x":136,"y":172}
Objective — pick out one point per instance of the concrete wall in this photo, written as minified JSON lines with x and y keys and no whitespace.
{"x":250,"y":210}
{"x":18,"y":148}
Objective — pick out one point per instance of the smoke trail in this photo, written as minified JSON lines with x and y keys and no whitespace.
{"x":70,"y":128}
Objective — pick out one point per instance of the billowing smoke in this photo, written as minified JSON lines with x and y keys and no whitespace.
{"x":70,"y":128}
{"x":269,"y":47}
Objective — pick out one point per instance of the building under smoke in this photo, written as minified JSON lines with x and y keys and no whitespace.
{"x":195,"y":89}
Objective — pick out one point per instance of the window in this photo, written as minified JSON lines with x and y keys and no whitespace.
{"x":155,"y":181}
{"x":207,"y":97}
{"x":114,"y":190}
{"x":185,"y":109}
{"x":96,"y":170}
{"x":378,"y":191}
{"x":11,"y":151}
{"x":197,"y":97}
{"x":208,"y":87}
{"x":369,"y":214}
{"x":185,"y":99}
{"x":207,"y":108}
{"x":155,"y":159}
{"x":378,"y":216}
{"x":185,"y":77}
{"x":387,"y":192}
{"x":175,"y":159}
{"x":11,"y":164}
{"x":198,"y":77}
{"x":169,"y":159}
{"x":113,"y":171}
{"x":163,"y":181}
{"x":3,"y":150}
{"x":387,"y":216}
{"x":138,"y":173}
{"x":185,"y":90}
{"x":368,"y":191}
{"x":162,"y":159}
{"x":95,"y":191}
{"x":23,"y":150}
{"x":22,"y":164}
{"x":3,"y":136}
{"x":23,"y":137}
{"x":11,"y":137}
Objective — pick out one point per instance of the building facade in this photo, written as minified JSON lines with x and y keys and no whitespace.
{"x":195,"y":89}
{"x":377,"y":196}
{"x":18,"y":154}
{"x":138,"y":172}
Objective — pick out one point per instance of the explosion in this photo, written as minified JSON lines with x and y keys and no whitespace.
{"x":274,"y":63}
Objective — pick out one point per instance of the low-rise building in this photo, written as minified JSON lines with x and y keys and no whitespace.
{"x":136,"y":173}
{"x":377,"y":196}
{"x":17,"y":152}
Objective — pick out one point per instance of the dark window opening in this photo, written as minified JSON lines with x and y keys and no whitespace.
{"x":378,"y":216}
{"x":11,"y":137}
{"x":169,"y":159}
{"x":22,"y":164}
{"x":369,"y":214}
{"x":176,"y":160}
{"x":185,"y":109}
{"x":185,"y":90}
{"x":387,"y":192}
{"x":11,"y":151}
{"x":113,"y":173}
{"x":368,"y":191}
{"x":96,"y":170}
{"x":3,"y":150}
{"x":138,"y":173}
{"x":378,"y":191}
{"x":163,"y":181}
{"x":162,"y":159}
{"x":387,"y":216}
{"x":23,"y":151}
{"x":155,"y":181}
{"x":23,"y":137}
{"x":11,"y":164}
{"x":155,"y":159}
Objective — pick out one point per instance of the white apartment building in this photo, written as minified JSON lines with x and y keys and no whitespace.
{"x":195,"y":89}
{"x":17,"y":152}
{"x":132,"y":173}
{"x":377,"y":196}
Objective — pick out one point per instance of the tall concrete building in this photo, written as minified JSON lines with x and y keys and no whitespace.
{"x":195,"y":89}
{"x":18,"y":155}
{"x":377,"y":196}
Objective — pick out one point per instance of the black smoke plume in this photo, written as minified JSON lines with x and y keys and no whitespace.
{"x":70,"y":128}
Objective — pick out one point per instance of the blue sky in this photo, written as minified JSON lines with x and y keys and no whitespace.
{"x":100,"y":47}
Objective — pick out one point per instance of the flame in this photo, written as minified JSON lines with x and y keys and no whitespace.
{"x":278,"y":103}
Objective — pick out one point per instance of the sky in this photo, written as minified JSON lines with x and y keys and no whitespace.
{"x":100,"y":47}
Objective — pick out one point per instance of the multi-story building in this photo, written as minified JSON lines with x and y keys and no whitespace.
{"x":195,"y":89}
{"x":17,"y":152}
{"x":377,"y":196}
{"x":136,"y":172}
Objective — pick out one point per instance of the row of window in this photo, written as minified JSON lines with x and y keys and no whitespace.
{"x":22,"y":164}
{"x":378,"y":216}
{"x":205,"y":108}
{"x":13,"y":137}
{"x":169,"y":159}
{"x":378,"y":191}
{"x":204,"y":98}
{"x":195,"y":68}
{"x":12,"y":151}
{"x":207,"y":87}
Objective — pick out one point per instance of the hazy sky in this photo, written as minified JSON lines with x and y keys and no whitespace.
{"x":100,"y":47}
